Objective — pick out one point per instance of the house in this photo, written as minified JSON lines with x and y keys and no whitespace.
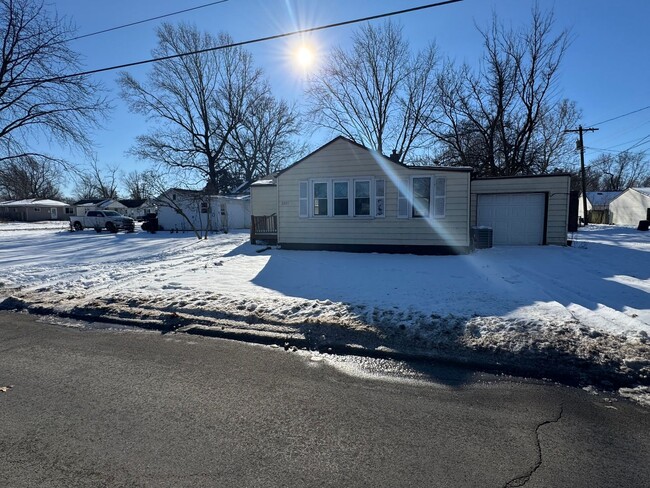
{"x":138,"y":208}
{"x":598,"y":206}
{"x":84,"y":206}
{"x":344,"y":196}
{"x":181,"y":209}
{"x":630,"y":207}
{"x":35,"y":209}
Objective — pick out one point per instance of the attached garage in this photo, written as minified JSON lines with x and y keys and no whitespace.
{"x":516,"y":219}
{"x":522,"y":210}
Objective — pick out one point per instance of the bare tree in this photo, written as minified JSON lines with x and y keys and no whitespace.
{"x":263,"y":142}
{"x":97,"y":182}
{"x":621,"y":171}
{"x":506,"y":118}
{"x":138,"y":184}
{"x":195,"y":103}
{"x":28,"y":177}
{"x":377,"y":93}
{"x":34,"y":99}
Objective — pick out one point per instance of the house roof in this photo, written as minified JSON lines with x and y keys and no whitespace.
{"x":350,"y":141}
{"x":133,"y":202}
{"x":34,"y":202}
{"x":550,"y":175}
{"x":645,"y":191}
{"x":602,"y":198}
{"x":88,"y":201}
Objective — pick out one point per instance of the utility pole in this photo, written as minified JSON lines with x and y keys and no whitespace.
{"x":583,"y":175}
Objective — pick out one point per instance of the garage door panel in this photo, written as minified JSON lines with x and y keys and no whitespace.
{"x":517,"y":219}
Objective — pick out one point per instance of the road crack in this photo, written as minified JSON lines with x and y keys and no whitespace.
{"x":523,"y":479}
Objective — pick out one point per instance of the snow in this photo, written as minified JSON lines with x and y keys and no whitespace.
{"x":589,"y":302}
{"x":34,"y":202}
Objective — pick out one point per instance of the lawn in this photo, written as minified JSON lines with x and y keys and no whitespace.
{"x":590,"y":301}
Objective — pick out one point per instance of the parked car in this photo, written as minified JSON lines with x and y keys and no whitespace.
{"x":102,"y":219}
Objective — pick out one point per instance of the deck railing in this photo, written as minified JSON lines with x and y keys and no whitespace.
{"x":264,"y":227}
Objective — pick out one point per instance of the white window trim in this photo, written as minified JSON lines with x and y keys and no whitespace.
{"x":432,"y":198}
{"x":371,"y":191}
{"x":350,"y":202}
{"x":330,"y":210}
{"x":412,"y":196}
{"x":330,"y":197}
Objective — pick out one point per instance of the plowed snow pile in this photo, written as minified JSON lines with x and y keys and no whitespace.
{"x":584,"y":308}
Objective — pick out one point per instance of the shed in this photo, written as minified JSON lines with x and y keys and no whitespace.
{"x":630,"y":207}
{"x":181,"y":209}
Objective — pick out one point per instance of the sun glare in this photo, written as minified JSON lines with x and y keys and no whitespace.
{"x":304,"y":57}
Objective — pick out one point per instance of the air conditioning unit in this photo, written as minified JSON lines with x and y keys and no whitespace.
{"x":481,"y":237}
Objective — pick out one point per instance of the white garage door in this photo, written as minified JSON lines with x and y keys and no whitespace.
{"x":517,"y":219}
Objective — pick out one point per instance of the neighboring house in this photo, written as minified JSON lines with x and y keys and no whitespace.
{"x":84,"y":206}
{"x":598,"y":206}
{"x":344,"y":196}
{"x":34,"y":209}
{"x":205,"y":212}
{"x":630,"y":207}
{"x":138,"y":208}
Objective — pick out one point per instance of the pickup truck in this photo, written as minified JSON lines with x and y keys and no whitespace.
{"x":102,"y":219}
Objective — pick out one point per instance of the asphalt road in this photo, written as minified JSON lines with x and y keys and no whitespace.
{"x":124,"y":408}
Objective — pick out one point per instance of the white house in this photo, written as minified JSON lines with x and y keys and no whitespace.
{"x":84,"y":206}
{"x":630,"y":206}
{"x":180,"y":209}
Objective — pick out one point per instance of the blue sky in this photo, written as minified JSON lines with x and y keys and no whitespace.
{"x":606,"y":70}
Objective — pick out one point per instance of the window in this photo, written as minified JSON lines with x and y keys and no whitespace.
{"x":380,"y":198}
{"x":421,"y":196}
{"x":36,"y":209}
{"x":320,"y":199}
{"x":69,"y":211}
{"x":341,"y":204}
{"x":362,"y":198}
{"x":204,"y":207}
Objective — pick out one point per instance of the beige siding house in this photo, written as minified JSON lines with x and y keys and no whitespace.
{"x":264,"y":196}
{"x":526,"y":210}
{"x":346,"y":197}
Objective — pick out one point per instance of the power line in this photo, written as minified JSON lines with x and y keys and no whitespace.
{"x":621,"y":116}
{"x":123,"y":26}
{"x":250,"y":41}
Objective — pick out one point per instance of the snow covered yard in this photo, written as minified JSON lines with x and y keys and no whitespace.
{"x":586,"y":307}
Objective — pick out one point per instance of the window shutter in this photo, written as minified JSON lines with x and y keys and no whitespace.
{"x":440,"y":198}
{"x":380,"y":198}
{"x":402,"y":200}
{"x":303,"y":199}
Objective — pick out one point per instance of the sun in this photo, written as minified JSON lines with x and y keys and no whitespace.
{"x":304,"y":57}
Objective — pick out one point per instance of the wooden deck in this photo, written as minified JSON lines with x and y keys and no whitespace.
{"x":264,"y":228}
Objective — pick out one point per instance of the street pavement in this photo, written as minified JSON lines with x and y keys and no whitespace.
{"x":88,"y":407}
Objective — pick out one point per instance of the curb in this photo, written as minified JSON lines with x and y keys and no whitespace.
{"x":571,"y":373}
